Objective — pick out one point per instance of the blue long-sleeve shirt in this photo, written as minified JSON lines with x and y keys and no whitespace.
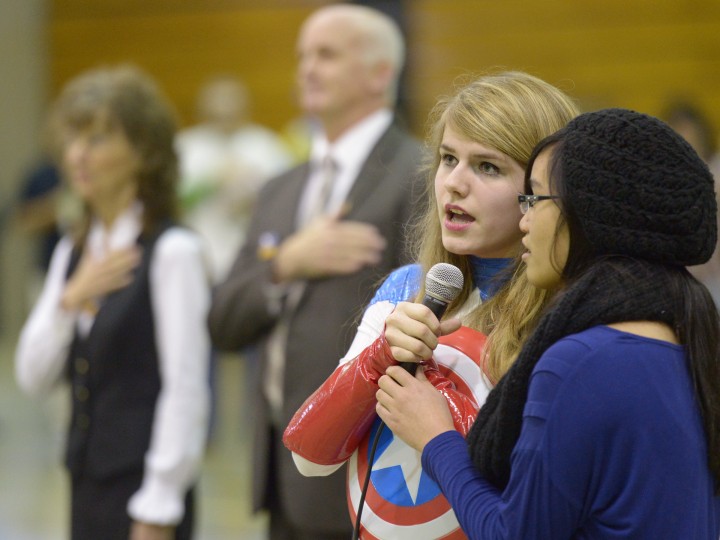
{"x":612,"y":446}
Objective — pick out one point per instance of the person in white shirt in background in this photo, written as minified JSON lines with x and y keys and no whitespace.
{"x":224,"y":160}
{"x":122,"y":316}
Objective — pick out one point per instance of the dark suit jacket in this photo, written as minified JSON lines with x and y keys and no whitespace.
{"x":386,"y":193}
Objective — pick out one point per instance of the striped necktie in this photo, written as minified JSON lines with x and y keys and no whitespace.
{"x":328,"y":173}
{"x":277,"y":342}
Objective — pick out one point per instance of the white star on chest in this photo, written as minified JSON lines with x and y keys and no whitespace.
{"x":399,"y":454}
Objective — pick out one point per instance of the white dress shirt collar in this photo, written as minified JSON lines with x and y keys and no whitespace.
{"x":353,"y":146}
{"x":349,"y":153}
{"x":123,"y":232}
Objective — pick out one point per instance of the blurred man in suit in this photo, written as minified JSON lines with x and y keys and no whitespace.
{"x":321,"y":237}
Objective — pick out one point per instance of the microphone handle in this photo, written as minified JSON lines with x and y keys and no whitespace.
{"x":438,"y":307}
{"x":410,"y":367}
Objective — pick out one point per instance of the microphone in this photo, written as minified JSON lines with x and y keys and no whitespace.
{"x":443,"y":283}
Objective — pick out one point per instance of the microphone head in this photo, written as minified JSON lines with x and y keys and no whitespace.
{"x":444,"y":282}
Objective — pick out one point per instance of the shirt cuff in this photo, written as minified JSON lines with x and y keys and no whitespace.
{"x":157,"y":503}
{"x":439,"y":448}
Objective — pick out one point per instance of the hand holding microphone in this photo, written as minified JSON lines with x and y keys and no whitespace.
{"x":412,"y":329}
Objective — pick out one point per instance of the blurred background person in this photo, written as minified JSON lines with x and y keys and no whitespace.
{"x":689,"y":120}
{"x":122,"y":315}
{"x":224,"y":160}
{"x":321,"y":237}
{"x":41,"y":209}
{"x":36,"y":215}
{"x":695,"y":127}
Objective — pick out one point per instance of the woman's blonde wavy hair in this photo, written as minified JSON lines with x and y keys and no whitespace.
{"x":510,"y":111}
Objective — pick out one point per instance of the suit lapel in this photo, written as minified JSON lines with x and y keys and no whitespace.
{"x":374,"y":170}
{"x":288,"y":205}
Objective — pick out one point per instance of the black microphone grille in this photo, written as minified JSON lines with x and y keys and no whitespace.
{"x":444,"y":281}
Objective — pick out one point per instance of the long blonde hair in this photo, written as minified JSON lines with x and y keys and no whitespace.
{"x":510,"y":111}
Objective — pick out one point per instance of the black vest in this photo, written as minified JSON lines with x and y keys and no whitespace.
{"x":115,"y":380}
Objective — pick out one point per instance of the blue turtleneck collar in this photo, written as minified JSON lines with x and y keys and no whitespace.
{"x":484,"y":272}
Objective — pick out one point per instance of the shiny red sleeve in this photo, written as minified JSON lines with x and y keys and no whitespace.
{"x":332,"y":422}
{"x":463,"y":407}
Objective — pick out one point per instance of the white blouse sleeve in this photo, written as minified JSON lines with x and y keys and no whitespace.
{"x":45,"y":339}
{"x":180,"y":295}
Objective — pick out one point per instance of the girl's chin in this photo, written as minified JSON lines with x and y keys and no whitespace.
{"x":457,"y":248}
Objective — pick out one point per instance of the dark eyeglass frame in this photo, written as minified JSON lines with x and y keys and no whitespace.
{"x":526,"y":202}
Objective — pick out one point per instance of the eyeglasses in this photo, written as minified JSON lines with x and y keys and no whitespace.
{"x":528,"y":201}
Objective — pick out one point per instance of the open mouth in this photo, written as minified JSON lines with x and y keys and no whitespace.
{"x":458,"y":216}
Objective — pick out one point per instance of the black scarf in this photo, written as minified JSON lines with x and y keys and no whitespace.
{"x":612,"y":290}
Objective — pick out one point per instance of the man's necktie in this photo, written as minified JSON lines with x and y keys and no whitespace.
{"x":328,"y":173}
{"x":277,"y":342}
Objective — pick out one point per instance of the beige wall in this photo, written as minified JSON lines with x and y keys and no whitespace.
{"x":632,"y":53}
{"x":622,"y":53}
{"x":183,"y":43}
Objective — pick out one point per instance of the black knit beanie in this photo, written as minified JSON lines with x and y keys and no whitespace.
{"x":639,"y":188}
